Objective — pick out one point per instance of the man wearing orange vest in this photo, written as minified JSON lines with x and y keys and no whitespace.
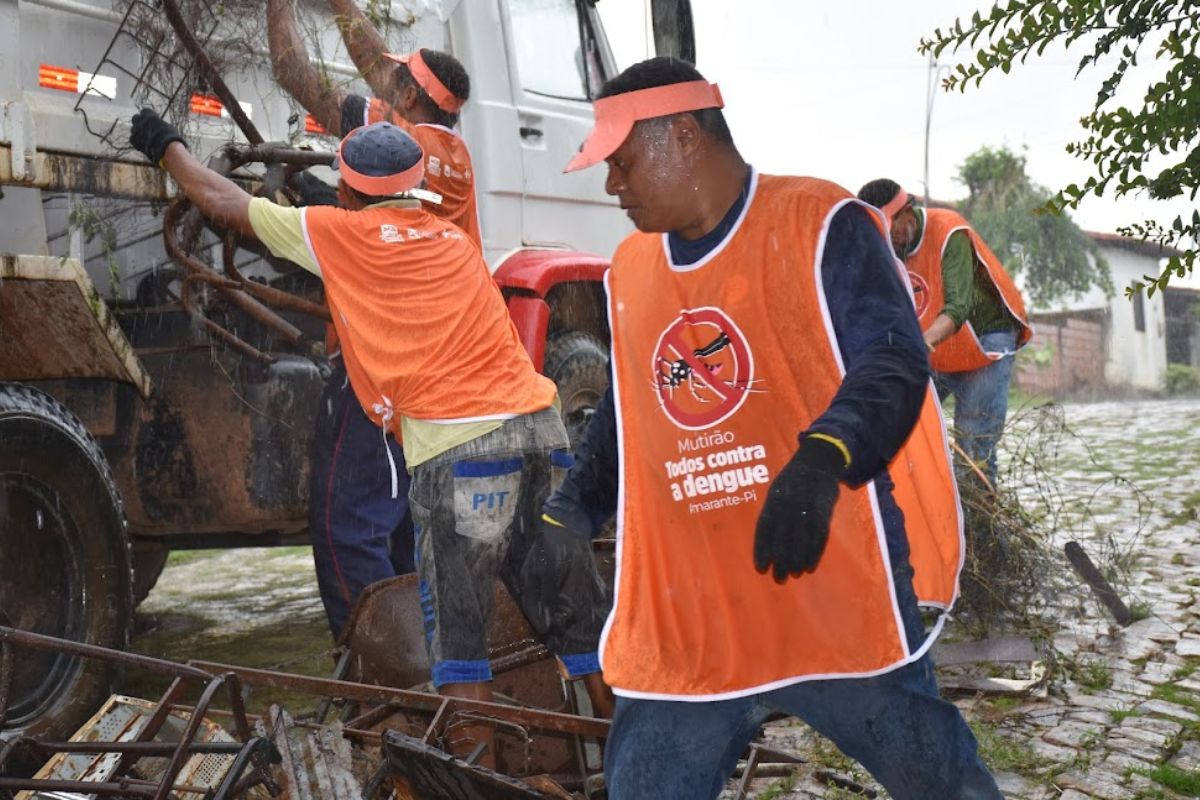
{"x":422,"y":92}
{"x":360,"y":530}
{"x":430,"y":351}
{"x":767,"y":370}
{"x":971,"y":312}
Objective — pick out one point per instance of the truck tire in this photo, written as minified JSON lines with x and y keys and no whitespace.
{"x":148,"y":564}
{"x":65,"y":563}
{"x":577,"y":362}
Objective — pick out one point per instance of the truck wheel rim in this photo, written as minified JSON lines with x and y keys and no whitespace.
{"x":41,"y":588}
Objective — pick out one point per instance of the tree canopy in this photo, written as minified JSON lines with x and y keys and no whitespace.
{"x":1151,"y":149}
{"x":1055,"y":259}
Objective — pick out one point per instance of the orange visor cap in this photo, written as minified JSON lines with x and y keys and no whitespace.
{"x":616,"y":115}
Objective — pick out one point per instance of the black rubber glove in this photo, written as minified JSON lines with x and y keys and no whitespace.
{"x":151,"y":134}
{"x":312,"y":190}
{"x":559,"y":583}
{"x":793,"y":526}
{"x":354,"y":112}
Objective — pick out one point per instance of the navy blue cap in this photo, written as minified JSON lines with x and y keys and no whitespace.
{"x":380,"y":159}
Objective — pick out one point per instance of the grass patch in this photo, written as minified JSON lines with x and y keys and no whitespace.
{"x":1186,"y":671}
{"x":178,"y":558}
{"x":1005,"y":704}
{"x":1190,"y":512}
{"x":1139,"y":610}
{"x":1176,"y":694}
{"x":825,"y":753}
{"x":1181,"y":781}
{"x":1177,"y":559}
{"x":1119,"y":715}
{"x":1003,"y":754}
{"x":1092,"y":676}
{"x":301,"y":646}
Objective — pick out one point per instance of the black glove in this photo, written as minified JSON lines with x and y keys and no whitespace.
{"x":151,"y":134}
{"x":354,"y":112}
{"x":559,"y":583}
{"x":793,"y":526}
{"x":312,"y":190}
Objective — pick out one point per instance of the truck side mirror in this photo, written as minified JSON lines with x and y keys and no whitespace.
{"x":674,"y":33}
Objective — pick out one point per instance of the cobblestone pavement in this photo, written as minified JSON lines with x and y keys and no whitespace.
{"x":1120,"y":715}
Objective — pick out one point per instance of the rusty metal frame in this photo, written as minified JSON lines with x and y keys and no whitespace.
{"x":249,"y":296}
{"x":251,"y":752}
{"x":440,"y":706}
{"x":255,"y":752}
{"x":217,"y":677}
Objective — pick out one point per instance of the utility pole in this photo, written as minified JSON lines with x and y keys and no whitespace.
{"x":931,"y":87}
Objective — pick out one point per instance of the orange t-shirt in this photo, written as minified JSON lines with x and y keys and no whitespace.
{"x":424,"y":330}
{"x":717,"y":367}
{"x":448,"y":169}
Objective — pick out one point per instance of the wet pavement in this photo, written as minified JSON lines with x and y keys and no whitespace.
{"x":1120,"y":717}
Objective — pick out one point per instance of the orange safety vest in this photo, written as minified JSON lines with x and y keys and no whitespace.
{"x":424,"y":329}
{"x":962,"y":351}
{"x":717,"y":367}
{"x":448,"y":169}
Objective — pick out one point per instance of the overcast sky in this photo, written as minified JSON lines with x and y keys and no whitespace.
{"x":837,"y":90}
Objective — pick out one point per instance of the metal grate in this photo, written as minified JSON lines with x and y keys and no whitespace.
{"x":161,"y":79}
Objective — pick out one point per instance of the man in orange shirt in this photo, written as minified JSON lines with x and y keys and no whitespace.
{"x":360,"y":529}
{"x":970,"y":309}
{"x":422,"y":92}
{"x":431,"y":351}
{"x":770,"y":412}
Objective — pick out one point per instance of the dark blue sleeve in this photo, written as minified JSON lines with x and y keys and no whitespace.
{"x":312,"y":190}
{"x":588,"y":496}
{"x":884,"y":354}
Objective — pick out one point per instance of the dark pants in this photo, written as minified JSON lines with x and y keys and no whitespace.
{"x":910,"y":740}
{"x":360,"y":533}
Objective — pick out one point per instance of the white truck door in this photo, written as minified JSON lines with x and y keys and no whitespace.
{"x":558,"y":60}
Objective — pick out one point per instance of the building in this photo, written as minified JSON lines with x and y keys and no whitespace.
{"x":1094,"y":344}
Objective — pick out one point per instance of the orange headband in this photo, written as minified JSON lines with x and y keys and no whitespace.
{"x":616,"y":115}
{"x":896,"y":204}
{"x":379,"y":185}
{"x":442,"y":97}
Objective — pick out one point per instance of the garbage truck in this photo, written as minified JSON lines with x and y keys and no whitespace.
{"x":158,"y":379}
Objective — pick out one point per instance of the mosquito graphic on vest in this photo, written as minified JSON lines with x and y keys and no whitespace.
{"x":679,"y":372}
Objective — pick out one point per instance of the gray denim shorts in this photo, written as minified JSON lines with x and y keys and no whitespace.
{"x":476,"y":509}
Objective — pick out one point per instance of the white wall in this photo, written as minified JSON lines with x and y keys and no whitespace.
{"x":1137,"y":358}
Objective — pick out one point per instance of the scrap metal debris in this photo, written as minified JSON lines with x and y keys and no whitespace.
{"x":315,"y":764}
{"x":140,"y":749}
{"x":954,"y":659}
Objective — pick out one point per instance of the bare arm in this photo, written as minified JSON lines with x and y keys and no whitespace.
{"x":295,"y":72}
{"x":942,"y":328}
{"x":217,"y":197}
{"x":366,"y":46}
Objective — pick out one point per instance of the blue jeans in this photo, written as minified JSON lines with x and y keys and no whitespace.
{"x":913,"y":742}
{"x":360,"y":534}
{"x":981,"y":401}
